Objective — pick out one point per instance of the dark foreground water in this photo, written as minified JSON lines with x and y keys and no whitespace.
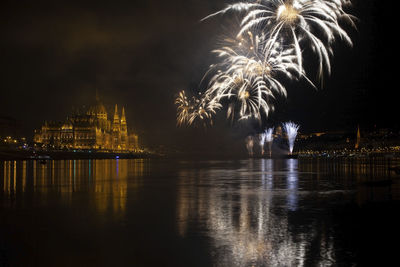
{"x":256,"y":212}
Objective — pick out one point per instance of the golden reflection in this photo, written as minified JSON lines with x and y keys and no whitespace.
{"x":7,"y":174}
{"x":24,"y":176}
{"x":106,"y":181}
{"x":15,"y":176}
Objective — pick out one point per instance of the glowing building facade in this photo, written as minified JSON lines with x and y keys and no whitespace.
{"x":89,"y":130}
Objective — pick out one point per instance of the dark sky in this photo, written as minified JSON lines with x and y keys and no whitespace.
{"x":139,"y":54}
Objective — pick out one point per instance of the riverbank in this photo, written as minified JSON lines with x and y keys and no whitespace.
{"x":63,"y":155}
{"x":349,"y":154}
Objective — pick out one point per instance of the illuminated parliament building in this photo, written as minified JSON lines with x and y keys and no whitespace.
{"x":91,"y":129}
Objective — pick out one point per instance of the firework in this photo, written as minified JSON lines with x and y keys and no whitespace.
{"x":269,"y":137}
{"x":291,"y":132}
{"x":184,"y":109}
{"x":292,"y":21}
{"x":262,"y":142}
{"x":249,"y":145}
{"x":271,"y":38}
{"x":266,"y":137}
{"x":246,"y":75}
{"x":200,"y":108}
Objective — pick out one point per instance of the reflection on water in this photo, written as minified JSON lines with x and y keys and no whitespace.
{"x":248,"y":225}
{"x":257,"y":212}
{"x":251,"y":212}
{"x":292,"y":183}
{"x":105,"y":182}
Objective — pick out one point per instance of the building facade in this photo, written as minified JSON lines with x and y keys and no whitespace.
{"x":91,"y":129}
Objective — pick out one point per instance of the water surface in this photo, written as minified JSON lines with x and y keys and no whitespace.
{"x":256,"y":212}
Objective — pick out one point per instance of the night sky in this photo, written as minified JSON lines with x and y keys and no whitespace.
{"x":55,"y":54}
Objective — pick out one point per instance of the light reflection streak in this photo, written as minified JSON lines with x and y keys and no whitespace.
{"x":248,"y":213}
{"x":24,"y":171}
{"x":117,"y":168}
{"x":90,"y":170}
{"x":6,"y":169}
{"x":15,"y":176}
{"x":267,"y":173}
{"x":292,"y":184}
{"x":105,"y":181}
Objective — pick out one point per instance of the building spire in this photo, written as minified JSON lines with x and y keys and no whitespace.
{"x":116,"y":117}
{"x":123,"y":119}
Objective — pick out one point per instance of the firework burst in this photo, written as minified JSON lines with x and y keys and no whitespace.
{"x":291,"y":131}
{"x":269,"y":137}
{"x":184,"y":109}
{"x":269,"y":43}
{"x":200,"y":108}
{"x":293,"y":21}
{"x":246,"y":75}
{"x":262,"y":142}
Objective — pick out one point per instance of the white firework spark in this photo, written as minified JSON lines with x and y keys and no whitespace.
{"x":291,"y":131}
{"x":204,"y":109}
{"x":266,"y":137}
{"x":262,"y":142}
{"x":269,"y":135}
{"x":292,"y":21}
{"x":184,"y":109}
{"x":190,"y":110}
{"x":247,"y":75}
{"x":270,"y":42}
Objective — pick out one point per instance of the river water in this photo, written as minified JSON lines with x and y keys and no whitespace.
{"x":158,"y":212}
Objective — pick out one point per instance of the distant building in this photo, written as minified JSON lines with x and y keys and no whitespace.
{"x":91,"y":130}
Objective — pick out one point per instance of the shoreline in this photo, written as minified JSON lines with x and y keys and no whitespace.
{"x":66,"y":155}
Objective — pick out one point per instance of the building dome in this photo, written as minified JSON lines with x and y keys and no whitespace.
{"x":67,"y":126}
{"x":97,"y":109}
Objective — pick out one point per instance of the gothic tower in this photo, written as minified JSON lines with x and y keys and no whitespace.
{"x":116,"y":130}
{"x":124,"y":131}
